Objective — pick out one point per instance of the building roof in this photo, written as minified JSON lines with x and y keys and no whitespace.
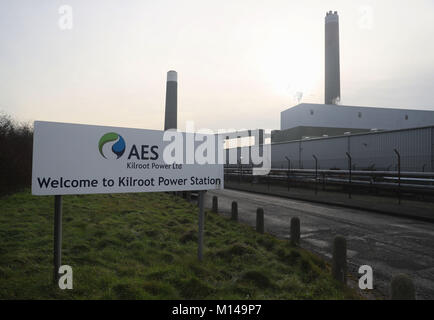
{"x":340,"y":116}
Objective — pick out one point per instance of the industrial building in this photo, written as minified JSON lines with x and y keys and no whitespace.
{"x":369,"y":151}
{"x":331,"y":132}
{"x":308,"y":120}
{"x":373,"y":151}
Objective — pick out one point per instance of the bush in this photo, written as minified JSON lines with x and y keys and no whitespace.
{"x":16,"y":146}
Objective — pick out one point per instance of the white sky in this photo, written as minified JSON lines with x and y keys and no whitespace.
{"x":239,"y":62}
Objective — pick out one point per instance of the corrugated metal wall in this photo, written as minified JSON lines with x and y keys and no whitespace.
{"x":373,"y":150}
{"x":377,"y":149}
{"x":368,"y":151}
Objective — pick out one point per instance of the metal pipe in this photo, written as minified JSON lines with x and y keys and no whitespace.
{"x":354,"y":172}
{"x":399,"y":175}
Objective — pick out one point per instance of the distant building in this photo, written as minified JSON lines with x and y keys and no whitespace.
{"x":308,"y":120}
{"x":316,"y":120}
{"x":331,"y":132}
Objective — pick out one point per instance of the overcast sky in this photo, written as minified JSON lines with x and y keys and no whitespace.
{"x":239,"y":62}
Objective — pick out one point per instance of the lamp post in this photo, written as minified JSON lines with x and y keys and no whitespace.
{"x":241,"y":168}
{"x":289,"y":168}
{"x":316,"y":173}
{"x":399,"y":175}
{"x":349,"y":171}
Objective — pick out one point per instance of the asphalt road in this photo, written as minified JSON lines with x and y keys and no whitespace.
{"x":390,"y":245}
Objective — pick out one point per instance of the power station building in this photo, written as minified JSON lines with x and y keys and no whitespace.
{"x":308,"y":120}
{"x":330,"y":131}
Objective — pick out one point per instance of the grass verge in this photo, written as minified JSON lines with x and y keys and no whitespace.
{"x":144,"y":246}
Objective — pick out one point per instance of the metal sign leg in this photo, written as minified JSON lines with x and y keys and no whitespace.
{"x":57,"y":261}
{"x":201,"y":223}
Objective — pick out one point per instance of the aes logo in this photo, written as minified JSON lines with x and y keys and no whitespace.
{"x":113,"y":140}
{"x":112,"y":146}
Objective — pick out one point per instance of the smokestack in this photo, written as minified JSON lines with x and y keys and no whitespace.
{"x":171,"y":113}
{"x":332,"y":92}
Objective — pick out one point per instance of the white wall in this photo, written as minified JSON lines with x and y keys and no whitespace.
{"x":338,"y":116}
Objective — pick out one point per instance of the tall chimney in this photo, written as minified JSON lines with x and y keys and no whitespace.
{"x":171,"y":113}
{"x":332,"y":92}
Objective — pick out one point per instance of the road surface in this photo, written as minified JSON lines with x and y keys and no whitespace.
{"x":390,"y":245}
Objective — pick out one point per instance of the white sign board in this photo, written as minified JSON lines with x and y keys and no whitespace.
{"x":84,"y":159}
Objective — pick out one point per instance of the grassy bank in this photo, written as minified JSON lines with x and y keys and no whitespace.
{"x":143,"y":246}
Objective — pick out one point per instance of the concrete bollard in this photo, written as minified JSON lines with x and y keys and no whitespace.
{"x":402,"y":288}
{"x":234,"y":215}
{"x":339,"y":263}
{"x":295,"y":231}
{"x":260,"y":220}
{"x":215,"y":204}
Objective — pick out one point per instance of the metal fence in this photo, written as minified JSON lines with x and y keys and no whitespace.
{"x":348,"y":180}
{"x":373,"y":151}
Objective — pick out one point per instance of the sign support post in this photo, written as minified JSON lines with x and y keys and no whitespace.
{"x":57,"y":256}
{"x":201,"y":223}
